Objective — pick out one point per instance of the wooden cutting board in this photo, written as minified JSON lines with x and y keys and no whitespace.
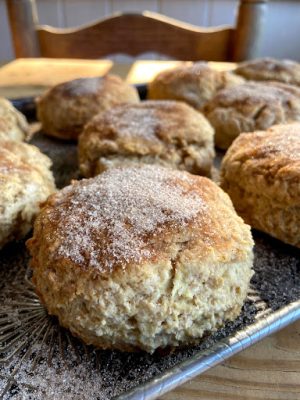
{"x":31,"y":76}
{"x":269,"y":370}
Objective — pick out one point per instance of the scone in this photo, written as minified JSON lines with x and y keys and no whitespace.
{"x":26,"y":181}
{"x":66,"y":108}
{"x":168,"y":133}
{"x":270,"y":69}
{"x":141,"y":258}
{"x":261,"y":174}
{"x":194,"y":84}
{"x":249,"y":107}
{"x":13,"y":124}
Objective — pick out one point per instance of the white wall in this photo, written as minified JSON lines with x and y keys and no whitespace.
{"x":282,"y":29}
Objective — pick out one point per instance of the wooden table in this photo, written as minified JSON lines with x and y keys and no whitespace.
{"x":270,"y":370}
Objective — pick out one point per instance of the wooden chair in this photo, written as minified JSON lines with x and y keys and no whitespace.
{"x":133,"y":34}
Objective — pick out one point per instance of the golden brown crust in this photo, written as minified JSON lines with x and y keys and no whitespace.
{"x":194,"y":84}
{"x":261,"y":173}
{"x":249,"y":107}
{"x":25,"y":181}
{"x":141,"y":258}
{"x":66,"y":108}
{"x":168,"y":133}
{"x":13,"y":124}
{"x":76,"y":208}
{"x":270,"y":69}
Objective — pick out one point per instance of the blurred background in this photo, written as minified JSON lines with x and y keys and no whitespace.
{"x":280,"y":38}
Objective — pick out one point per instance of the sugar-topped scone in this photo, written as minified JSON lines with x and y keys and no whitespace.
{"x":141,"y":258}
{"x":249,"y":107}
{"x":270,"y":69}
{"x":26,"y":181}
{"x":64,"y":109}
{"x":261,"y":174}
{"x":194,"y":84}
{"x":13,"y":124}
{"x":168,"y":133}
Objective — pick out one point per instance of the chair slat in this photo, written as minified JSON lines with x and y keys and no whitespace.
{"x":134,"y":34}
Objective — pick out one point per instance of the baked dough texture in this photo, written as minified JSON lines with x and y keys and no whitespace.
{"x":26,"y":181}
{"x":66,"y":108}
{"x":270,"y":69}
{"x":194,"y":84}
{"x":261,"y":174}
{"x":249,"y":107}
{"x":141,"y":258}
{"x":168,"y":133}
{"x":13,"y":124}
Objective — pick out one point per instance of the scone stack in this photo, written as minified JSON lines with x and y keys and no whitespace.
{"x":231,"y":104}
{"x":147,"y":253}
{"x":256,"y":120}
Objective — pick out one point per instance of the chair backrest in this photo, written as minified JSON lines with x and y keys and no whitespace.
{"x":134,"y":34}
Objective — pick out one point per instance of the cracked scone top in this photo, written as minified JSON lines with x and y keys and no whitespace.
{"x":251,"y":106}
{"x":141,"y":258}
{"x":168,"y":133}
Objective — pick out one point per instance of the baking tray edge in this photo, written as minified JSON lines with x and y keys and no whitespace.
{"x":205,"y":359}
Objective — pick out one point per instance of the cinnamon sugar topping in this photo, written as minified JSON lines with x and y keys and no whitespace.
{"x":256,"y":93}
{"x":126,"y":121}
{"x":284,"y":140}
{"x":81,"y":86}
{"x":110,"y":220}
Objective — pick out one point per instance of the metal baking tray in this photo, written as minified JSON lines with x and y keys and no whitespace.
{"x":39,"y":359}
